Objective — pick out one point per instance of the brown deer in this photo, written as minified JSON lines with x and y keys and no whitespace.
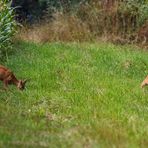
{"x":145,"y":82}
{"x":8,"y":77}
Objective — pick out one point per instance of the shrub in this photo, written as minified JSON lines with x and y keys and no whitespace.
{"x":112,"y":20}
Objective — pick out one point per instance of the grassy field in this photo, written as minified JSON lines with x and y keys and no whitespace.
{"x":79,"y":95}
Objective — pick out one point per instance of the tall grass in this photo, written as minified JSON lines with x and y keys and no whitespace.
{"x":7,"y":27}
{"x":63,"y":28}
{"x":116,"y":21}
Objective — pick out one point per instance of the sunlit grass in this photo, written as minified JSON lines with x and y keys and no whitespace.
{"x":79,"y":95}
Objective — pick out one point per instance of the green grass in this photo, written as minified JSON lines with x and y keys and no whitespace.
{"x":79,"y":95}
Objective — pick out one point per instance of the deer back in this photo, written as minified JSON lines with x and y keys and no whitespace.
{"x":6,"y":74}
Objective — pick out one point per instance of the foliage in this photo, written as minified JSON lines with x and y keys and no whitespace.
{"x":7,"y":26}
{"x":143,"y":13}
{"x":34,"y":8}
{"x":137,"y":8}
{"x":69,"y":20}
{"x":84,"y":95}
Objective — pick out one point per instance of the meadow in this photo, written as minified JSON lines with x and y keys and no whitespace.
{"x":79,"y":95}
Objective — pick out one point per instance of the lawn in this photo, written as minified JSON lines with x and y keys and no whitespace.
{"x":78,"y":95}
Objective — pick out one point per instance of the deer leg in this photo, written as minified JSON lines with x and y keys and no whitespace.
{"x":5,"y":84}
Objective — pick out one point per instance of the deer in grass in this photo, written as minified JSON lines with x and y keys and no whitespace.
{"x":7,"y":77}
{"x":145,"y":82}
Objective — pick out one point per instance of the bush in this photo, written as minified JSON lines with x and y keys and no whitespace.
{"x":7,"y":27}
{"x":90,"y":20}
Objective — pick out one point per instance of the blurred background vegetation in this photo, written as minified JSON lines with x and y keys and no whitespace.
{"x":118,"y":21}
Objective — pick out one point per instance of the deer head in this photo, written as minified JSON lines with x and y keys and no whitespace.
{"x":21,"y":84}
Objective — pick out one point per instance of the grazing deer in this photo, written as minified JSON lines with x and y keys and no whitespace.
{"x":145,"y":82}
{"x":8,"y":77}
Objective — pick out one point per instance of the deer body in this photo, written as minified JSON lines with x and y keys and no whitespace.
{"x":145,"y":82}
{"x":7,"y":77}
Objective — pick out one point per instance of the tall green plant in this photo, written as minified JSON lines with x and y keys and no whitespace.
{"x":7,"y":27}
